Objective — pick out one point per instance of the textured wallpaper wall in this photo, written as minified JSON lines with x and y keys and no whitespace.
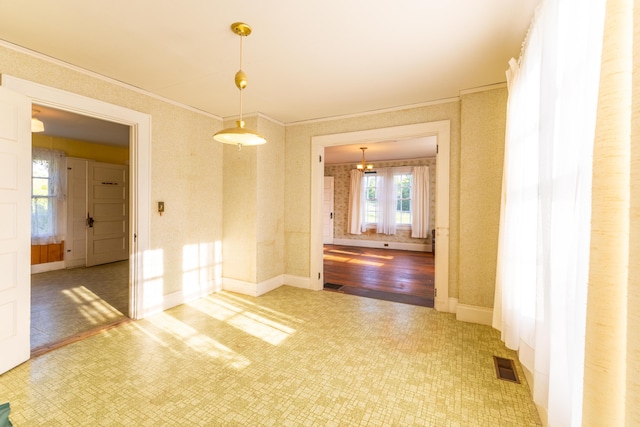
{"x":341,"y":202}
{"x":482,"y":153}
{"x":186,"y":171}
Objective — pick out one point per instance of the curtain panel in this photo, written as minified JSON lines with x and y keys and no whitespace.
{"x":48,"y":196}
{"x":355,"y":223}
{"x":420,"y":202}
{"x":543,"y":256}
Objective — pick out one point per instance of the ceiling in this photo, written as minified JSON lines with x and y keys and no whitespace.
{"x":305,"y":60}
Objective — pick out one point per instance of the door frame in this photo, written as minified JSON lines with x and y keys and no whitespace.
{"x":139,"y":174}
{"x":439,"y":129}
{"x":332,"y":219}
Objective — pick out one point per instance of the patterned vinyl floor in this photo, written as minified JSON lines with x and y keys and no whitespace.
{"x":292,"y":357}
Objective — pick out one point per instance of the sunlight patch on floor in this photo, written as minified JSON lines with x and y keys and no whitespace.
{"x":198,"y":341}
{"x":91,"y":306}
{"x":256,"y":325}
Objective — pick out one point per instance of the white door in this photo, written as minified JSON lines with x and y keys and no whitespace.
{"x":76,"y":239}
{"x":15,"y":228}
{"x":327,"y":211}
{"x":108,"y":207}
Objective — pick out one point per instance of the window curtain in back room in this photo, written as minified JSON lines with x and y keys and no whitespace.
{"x":48,"y":196}
{"x":387,"y":196}
{"x":420,"y":202}
{"x":356,"y":203}
{"x":543,"y":254}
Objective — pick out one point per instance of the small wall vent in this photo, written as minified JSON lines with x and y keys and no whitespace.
{"x":505,"y":369}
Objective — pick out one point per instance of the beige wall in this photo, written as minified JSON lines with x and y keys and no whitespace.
{"x":187,"y":174}
{"x":186,"y":165}
{"x":253,"y":210}
{"x":341,"y":175}
{"x":483,"y":118}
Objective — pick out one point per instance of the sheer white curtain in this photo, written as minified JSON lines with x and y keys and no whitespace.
{"x":387,"y":197}
{"x":420,"y":202}
{"x":47,"y":201}
{"x":543,"y":258}
{"x":356,"y":203}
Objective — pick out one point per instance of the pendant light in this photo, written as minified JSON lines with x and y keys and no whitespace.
{"x":36,"y":124}
{"x":363,"y":166}
{"x":240,"y":135}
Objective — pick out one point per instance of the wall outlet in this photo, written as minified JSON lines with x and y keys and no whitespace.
{"x":386,"y":245}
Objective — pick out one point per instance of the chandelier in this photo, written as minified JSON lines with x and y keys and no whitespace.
{"x":240,"y":135}
{"x":363,"y":166}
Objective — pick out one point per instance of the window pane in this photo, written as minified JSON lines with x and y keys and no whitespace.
{"x":40,"y":187}
{"x":41,"y":168}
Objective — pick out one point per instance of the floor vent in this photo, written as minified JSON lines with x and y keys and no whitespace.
{"x":332,"y":286}
{"x":505,"y":370}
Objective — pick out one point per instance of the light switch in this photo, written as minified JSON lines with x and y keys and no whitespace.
{"x":160,"y":207}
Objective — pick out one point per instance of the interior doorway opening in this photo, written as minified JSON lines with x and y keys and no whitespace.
{"x":139,"y":126}
{"x":84,"y":288}
{"x":441,"y":130}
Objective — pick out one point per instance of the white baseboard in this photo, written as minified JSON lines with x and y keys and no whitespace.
{"x":474,"y":314}
{"x":49,"y":266}
{"x":453,"y":305}
{"x":419,"y":247}
{"x":297,"y":281}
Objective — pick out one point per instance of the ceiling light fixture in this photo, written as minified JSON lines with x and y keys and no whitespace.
{"x":362,"y":166}
{"x":36,"y":124}
{"x":240,"y":135}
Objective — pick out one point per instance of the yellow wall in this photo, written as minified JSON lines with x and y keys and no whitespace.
{"x":83,"y":149}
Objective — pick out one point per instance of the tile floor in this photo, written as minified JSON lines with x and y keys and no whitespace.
{"x":291,"y":357}
{"x":69,"y":302}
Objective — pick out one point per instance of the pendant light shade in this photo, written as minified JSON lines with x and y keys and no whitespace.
{"x":36,"y":124}
{"x":240,"y":135}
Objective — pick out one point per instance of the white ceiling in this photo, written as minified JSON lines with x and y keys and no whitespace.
{"x":305,"y":60}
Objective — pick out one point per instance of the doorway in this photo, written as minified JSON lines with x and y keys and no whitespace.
{"x":140,"y":212}
{"x":88,"y":289}
{"x":441,"y":130}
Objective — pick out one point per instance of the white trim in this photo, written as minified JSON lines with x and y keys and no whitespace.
{"x":401,"y":246}
{"x":101,"y":77}
{"x":483,"y":88}
{"x":474,"y":314}
{"x":140,"y":168}
{"x":442,"y":130}
{"x":453,"y":305}
{"x":257,"y":289}
{"x":372,"y":112}
{"x":47,"y":266}
{"x":250,"y":288}
{"x":296,"y":281}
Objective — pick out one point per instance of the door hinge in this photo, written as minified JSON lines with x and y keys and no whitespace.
{"x":135,"y":237}
{"x":435,"y":292}
{"x":318,"y":276}
{"x":437,"y":148}
{"x":320,"y":158}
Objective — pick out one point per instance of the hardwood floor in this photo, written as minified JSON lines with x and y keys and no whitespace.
{"x":401,"y":276}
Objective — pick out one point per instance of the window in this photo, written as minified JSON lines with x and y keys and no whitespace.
{"x":403,"y":183}
{"x":46,"y":195}
{"x":371,"y":198}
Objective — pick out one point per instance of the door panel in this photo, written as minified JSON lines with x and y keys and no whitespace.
{"x":108,"y":198}
{"x":76,"y":242}
{"x":15,"y":229}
